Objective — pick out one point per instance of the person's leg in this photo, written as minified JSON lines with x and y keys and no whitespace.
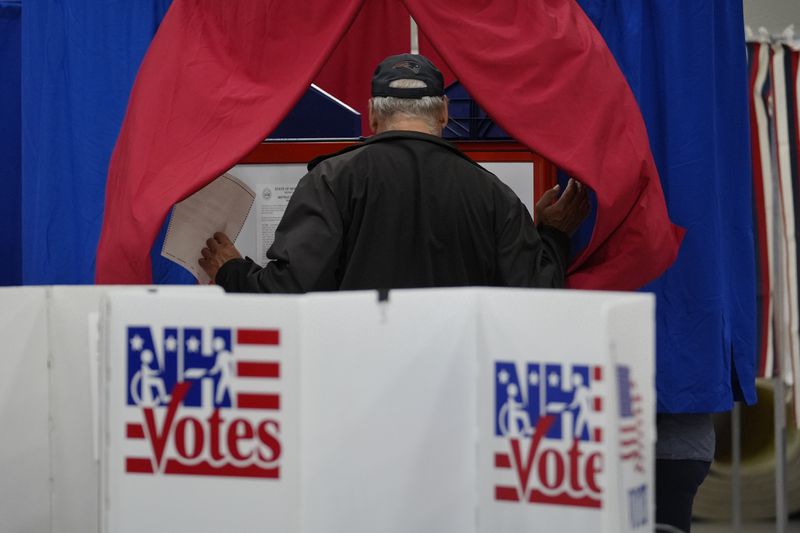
{"x":677,"y":481}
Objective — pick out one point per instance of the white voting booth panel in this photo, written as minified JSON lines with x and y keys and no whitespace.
{"x":48,"y":406}
{"x":388,"y":412}
{"x":566,"y":411}
{"x":24,"y":452}
{"x":178,"y":456}
{"x":439,"y":410}
{"x":74,"y":403}
{"x":273,"y":185}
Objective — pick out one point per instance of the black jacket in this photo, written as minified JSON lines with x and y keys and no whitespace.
{"x":402,"y":210}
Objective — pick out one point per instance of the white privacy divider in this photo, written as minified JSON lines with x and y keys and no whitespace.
{"x":200,"y":413}
{"x":73,"y":313}
{"x":48,"y":411}
{"x":566,"y":411}
{"x":469,"y":410}
{"x":24,"y":453}
{"x":388,"y":412}
{"x":439,"y":410}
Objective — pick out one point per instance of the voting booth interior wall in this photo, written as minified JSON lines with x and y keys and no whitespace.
{"x":474,"y":410}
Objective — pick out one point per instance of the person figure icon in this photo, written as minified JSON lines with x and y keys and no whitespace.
{"x":145,"y":380}
{"x":224,"y":366}
{"x":580,"y":402}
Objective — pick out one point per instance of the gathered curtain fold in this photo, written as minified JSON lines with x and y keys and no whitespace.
{"x":218,"y":77}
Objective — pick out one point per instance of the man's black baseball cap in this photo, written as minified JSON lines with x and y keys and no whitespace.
{"x":407,"y":67}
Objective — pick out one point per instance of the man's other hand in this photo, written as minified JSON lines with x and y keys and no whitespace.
{"x":565,"y":213}
{"x":218,"y":251}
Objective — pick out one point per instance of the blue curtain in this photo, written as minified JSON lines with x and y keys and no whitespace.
{"x":686,"y":63}
{"x":10,"y":150}
{"x":78,"y":65}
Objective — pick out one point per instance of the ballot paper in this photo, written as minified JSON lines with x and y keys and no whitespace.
{"x":273,"y":198}
{"x":222,"y":205}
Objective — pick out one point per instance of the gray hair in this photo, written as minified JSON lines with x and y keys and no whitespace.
{"x":386,"y":109}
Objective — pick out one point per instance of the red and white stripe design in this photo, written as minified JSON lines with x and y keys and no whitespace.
{"x":597,"y":404}
{"x":631,"y":432}
{"x":763,"y":182}
{"x":253,"y":370}
{"x":787,"y":340}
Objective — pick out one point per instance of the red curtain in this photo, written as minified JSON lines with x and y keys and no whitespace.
{"x":382,"y":28}
{"x":543,"y":72}
{"x":217,"y":78}
{"x":427,"y":49}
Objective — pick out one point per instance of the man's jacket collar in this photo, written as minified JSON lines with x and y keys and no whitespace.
{"x":391,"y":136}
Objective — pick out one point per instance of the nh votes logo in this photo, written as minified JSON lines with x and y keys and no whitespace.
{"x":548,"y":438}
{"x":203,"y":401}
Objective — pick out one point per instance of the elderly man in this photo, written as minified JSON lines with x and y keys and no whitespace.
{"x":406,"y":209}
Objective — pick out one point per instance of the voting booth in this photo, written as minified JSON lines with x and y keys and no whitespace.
{"x":258,"y":189}
{"x":273,"y":169}
{"x":186,"y":409}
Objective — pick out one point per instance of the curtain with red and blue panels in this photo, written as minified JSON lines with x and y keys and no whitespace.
{"x":643,"y":125}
